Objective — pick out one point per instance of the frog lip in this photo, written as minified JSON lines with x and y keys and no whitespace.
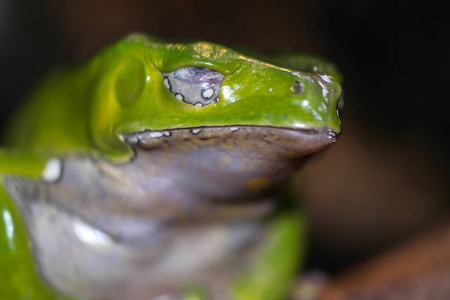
{"x":134,"y":137}
{"x":292,"y":142}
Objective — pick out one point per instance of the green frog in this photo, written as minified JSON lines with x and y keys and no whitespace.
{"x":158,"y":170}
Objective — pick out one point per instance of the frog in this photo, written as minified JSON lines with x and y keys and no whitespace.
{"x":160,"y":170}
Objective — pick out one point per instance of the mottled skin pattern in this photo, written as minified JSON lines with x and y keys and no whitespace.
{"x":154,"y":194}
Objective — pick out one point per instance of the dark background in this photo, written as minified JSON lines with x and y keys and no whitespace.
{"x":388,"y":175}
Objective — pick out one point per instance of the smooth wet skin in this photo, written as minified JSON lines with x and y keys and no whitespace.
{"x":165,"y":159}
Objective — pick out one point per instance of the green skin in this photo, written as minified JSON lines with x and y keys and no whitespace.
{"x":87,"y":110}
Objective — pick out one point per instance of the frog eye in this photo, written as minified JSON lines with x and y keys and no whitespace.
{"x":194,"y":85}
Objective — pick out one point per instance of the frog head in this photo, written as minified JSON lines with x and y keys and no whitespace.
{"x":159,"y":86}
{"x":163,"y":95}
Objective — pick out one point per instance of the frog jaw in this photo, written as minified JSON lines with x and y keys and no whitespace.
{"x":234,"y":161}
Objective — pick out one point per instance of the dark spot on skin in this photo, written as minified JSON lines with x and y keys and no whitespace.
{"x":296,"y":87}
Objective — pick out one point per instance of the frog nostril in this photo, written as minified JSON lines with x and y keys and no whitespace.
{"x":296,"y":87}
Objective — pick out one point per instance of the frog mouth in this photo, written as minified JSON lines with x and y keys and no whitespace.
{"x":280,"y":141}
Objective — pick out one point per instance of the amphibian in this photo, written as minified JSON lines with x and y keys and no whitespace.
{"x":154,"y":170}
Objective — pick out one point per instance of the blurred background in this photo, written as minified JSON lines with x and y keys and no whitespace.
{"x":387,"y":177}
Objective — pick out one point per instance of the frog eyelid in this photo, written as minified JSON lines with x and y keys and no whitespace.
{"x":198,"y":86}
